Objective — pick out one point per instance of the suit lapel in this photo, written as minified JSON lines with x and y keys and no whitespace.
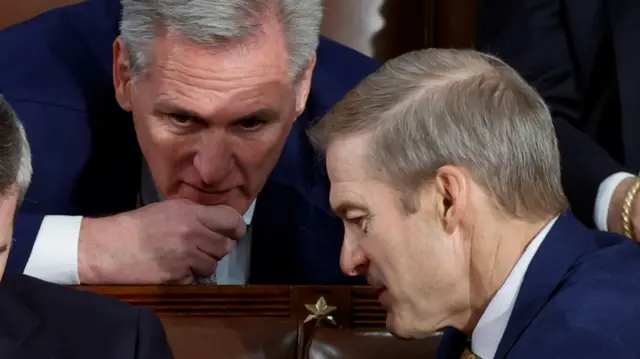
{"x":294,"y":229}
{"x":18,"y":324}
{"x":624,"y":18}
{"x":274,"y":247}
{"x":565,"y":243}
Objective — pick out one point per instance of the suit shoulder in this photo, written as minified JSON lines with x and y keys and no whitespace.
{"x":58,"y":55}
{"x":338,"y":69}
{"x":571,"y":322}
{"x":52,"y":302}
{"x":601,"y":290}
{"x":612,"y":254}
{"x":65,"y":315}
{"x":350,"y":65}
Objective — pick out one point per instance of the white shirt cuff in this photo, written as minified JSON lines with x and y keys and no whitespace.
{"x":604,"y":196}
{"x":54,"y":257}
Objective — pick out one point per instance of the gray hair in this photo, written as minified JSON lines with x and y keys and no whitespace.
{"x":212,"y":22}
{"x":15,"y":154}
{"x":431,"y":108}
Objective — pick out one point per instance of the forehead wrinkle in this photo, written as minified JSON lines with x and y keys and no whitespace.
{"x":209,"y":80}
{"x":233,"y":104}
{"x":348,"y":191}
{"x":346,"y":160}
{"x":252,"y":58}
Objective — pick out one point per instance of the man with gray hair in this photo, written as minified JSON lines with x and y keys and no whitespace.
{"x":198,"y":170}
{"x":43,"y":320}
{"x":444,"y":169}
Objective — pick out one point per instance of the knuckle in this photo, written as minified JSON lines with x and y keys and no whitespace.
{"x":181,"y":201}
{"x":183,"y":231}
{"x":228,"y":214}
{"x":171,"y":274}
{"x":188,"y":248}
{"x":228,"y":245}
{"x":211,"y":268}
{"x":225,"y":208}
{"x":180,"y":205}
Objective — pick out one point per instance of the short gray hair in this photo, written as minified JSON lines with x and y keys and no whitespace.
{"x":212,"y":22}
{"x":15,"y":154}
{"x":436,"y":107}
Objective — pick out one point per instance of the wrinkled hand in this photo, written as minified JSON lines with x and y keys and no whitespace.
{"x":173,"y":241}
{"x":614,"y":217}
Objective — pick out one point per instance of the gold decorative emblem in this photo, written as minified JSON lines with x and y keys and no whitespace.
{"x":320,"y":311}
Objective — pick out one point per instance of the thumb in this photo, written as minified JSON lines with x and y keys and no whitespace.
{"x":222,"y":219}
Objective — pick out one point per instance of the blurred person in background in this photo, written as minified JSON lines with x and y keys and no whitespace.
{"x":582,"y":57}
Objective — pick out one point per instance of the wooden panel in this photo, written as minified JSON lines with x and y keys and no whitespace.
{"x":379,"y":28}
{"x":366,"y":311}
{"x":453,"y":23}
{"x":358,"y":307}
{"x":387,"y":28}
{"x":382,"y":29}
{"x":16,"y":11}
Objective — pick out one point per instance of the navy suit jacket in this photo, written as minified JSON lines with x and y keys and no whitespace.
{"x":56,"y":73}
{"x":45,"y":321}
{"x":579,"y":299}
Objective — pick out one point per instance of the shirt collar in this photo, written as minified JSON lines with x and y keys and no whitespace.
{"x":248,"y":215}
{"x":493,"y":322}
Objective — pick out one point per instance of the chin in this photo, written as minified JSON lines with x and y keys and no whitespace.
{"x":404,"y":327}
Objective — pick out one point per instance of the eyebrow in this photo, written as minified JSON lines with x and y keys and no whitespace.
{"x":4,"y":248}
{"x":265,"y":114}
{"x":176,"y":110}
{"x":343,"y":207}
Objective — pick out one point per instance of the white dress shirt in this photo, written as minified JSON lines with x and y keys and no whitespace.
{"x":54,"y":257}
{"x":493,"y":322}
{"x":604,"y":196}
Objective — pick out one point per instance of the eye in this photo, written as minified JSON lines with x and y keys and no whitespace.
{"x":181,"y":120}
{"x":250,"y":123}
{"x":361,"y":222}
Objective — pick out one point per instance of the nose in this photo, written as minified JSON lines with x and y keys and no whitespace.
{"x":213,"y":159}
{"x":353,"y":260}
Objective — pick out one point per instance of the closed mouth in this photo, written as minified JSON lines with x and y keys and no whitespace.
{"x":216,"y":192}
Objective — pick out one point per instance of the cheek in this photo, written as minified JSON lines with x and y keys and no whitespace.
{"x":261,"y":150}
{"x":166,"y":153}
{"x":7,"y":214}
{"x":424,"y":243}
{"x":154,"y":138}
{"x":401,"y":251}
{"x":384,"y":249}
{"x":3,"y":263}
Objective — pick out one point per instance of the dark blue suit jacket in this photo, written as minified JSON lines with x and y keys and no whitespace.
{"x":46,"y":321}
{"x":56,"y":73}
{"x":579,"y":299}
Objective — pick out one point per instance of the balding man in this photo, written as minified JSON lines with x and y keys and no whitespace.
{"x":169,"y":141}
{"x":445,"y":169}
